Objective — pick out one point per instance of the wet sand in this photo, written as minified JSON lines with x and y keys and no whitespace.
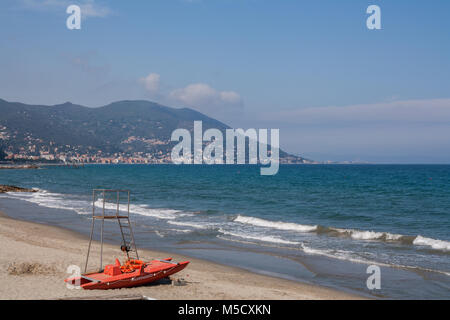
{"x":34,"y":259}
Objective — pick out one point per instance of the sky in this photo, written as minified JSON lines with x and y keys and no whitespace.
{"x":335,"y":89}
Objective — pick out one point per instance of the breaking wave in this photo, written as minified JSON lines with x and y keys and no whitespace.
{"x":364,"y":235}
{"x":188,"y":224}
{"x":48,"y":199}
{"x":259,"y":237}
{"x":143,"y":210}
{"x":433,"y":243}
{"x":348,"y":256}
{"x":275,"y":224}
{"x":84,"y":206}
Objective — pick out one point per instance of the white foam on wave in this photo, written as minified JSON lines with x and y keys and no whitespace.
{"x":433,"y":243}
{"x":349,"y":256}
{"x":338,"y":254}
{"x":180,"y":230}
{"x":279,"y":225}
{"x":369,"y":235}
{"x":188,"y":224}
{"x":365,"y":235}
{"x":259,"y":237}
{"x":165,"y":214}
{"x":48,"y":199}
{"x":143,"y":210}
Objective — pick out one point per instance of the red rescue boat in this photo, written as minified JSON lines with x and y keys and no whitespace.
{"x":134,"y":272}
{"x":131,"y":274}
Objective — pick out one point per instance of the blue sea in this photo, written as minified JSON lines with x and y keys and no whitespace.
{"x":321,"y":224}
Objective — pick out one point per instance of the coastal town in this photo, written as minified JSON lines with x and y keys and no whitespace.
{"x":54,"y":155}
{"x":40,"y":152}
{"x":31,"y":149}
{"x":46,"y":156}
{"x":17,"y":146}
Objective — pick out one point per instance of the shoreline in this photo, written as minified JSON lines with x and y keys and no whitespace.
{"x":35,"y":257}
{"x":19,"y":166}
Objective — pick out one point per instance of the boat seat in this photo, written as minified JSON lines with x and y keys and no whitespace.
{"x":112,"y":270}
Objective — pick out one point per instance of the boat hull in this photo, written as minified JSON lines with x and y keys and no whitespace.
{"x":151,"y":272}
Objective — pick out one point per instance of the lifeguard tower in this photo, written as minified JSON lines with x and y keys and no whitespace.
{"x":108,"y":204}
{"x":114,"y":205}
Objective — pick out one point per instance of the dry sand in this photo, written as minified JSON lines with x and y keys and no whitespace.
{"x":34,"y":259}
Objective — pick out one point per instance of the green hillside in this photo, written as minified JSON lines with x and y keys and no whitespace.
{"x":124,"y":127}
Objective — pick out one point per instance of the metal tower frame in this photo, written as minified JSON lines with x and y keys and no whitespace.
{"x":128,"y":243}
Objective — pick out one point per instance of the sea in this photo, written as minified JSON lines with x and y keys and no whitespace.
{"x":319,"y":224}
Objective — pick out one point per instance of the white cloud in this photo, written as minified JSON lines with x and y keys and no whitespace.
{"x":89,"y":8}
{"x":230,"y":97}
{"x":151,"y":83}
{"x":407,"y":111}
{"x":202,"y":95}
{"x":396,"y":131}
{"x":195,"y":94}
{"x":199,"y":96}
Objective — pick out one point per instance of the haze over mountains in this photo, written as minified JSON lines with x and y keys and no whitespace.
{"x":138,"y":129}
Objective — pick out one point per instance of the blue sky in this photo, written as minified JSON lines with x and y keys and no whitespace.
{"x":336,"y":90}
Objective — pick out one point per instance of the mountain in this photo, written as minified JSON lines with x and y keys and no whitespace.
{"x":120,"y":129}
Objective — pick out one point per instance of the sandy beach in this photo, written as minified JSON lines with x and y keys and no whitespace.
{"x":34,"y":259}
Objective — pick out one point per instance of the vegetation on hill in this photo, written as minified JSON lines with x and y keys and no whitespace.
{"x":2,"y":155}
{"x":120,"y":128}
